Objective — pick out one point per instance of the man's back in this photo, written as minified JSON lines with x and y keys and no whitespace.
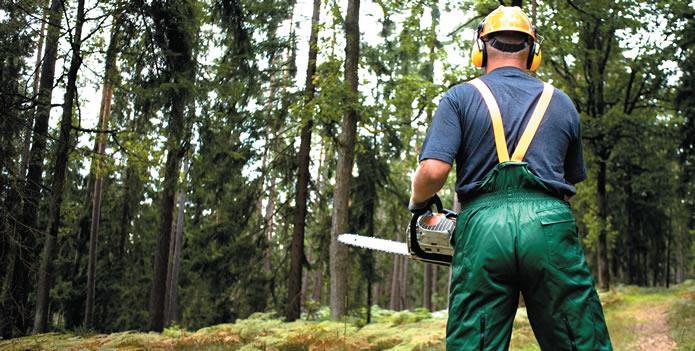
{"x":461,"y":131}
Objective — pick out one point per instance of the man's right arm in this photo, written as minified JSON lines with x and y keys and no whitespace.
{"x":429,"y":178}
{"x":438,"y":151}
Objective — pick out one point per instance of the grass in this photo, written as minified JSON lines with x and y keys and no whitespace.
{"x":625,"y":308}
{"x":681,"y":318}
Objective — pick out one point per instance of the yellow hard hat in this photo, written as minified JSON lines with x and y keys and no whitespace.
{"x":507,"y":18}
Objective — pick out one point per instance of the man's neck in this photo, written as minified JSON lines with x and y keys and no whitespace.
{"x":491,"y":66}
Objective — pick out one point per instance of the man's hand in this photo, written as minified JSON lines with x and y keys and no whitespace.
{"x":429,"y":178}
{"x":419,"y":208}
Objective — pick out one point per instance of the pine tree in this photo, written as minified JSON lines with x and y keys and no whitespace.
{"x":339,"y":262}
{"x":297,"y":259}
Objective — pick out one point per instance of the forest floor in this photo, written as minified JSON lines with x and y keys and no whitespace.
{"x":653,"y":319}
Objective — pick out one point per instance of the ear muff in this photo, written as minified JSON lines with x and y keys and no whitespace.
{"x":534,"y":54}
{"x":478,"y":52}
{"x":534,"y":57}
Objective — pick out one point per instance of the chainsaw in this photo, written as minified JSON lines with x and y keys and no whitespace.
{"x":428,"y":237}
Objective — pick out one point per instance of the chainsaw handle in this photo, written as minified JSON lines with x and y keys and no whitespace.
{"x":437,"y":202}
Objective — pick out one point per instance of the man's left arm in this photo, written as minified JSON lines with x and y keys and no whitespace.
{"x":575,"y":171}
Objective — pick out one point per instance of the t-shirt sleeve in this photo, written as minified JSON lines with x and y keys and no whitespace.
{"x":575,"y":171}
{"x":444,"y":135}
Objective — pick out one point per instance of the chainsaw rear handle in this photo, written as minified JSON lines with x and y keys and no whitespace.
{"x":414,"y":246}
{"x":437,"y":203}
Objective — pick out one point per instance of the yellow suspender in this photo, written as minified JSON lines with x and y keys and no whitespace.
{"x":495,"y":117}
{"x":498,"y":128}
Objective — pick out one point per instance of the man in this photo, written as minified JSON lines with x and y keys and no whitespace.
{"x":516,"y":232}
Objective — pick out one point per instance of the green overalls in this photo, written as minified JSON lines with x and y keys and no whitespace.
{"x":516,"y":237}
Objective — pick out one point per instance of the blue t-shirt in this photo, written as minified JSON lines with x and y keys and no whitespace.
{"x":462,"y":131}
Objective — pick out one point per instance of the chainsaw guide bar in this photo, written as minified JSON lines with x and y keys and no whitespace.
{"x":367,"y":242}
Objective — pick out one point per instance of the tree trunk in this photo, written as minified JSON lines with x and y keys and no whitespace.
{"x":303,"y":160}
{"x":667,"y":273}
{"x":534,"y":11}
{"x":101,"y":140}
{"x":405,"y":303}
{"x":394,"y":297}
{"x":26,"y":145}
{"x":261,"y":213}
{"x":376,"y":293}
{"x":376,"y":286}
{"x":434,"y":13}
{"x":318,"y":284}
{"x":305,"y":282}
{"x":603,"y":262}
{"x":435,"y":275}
{"x":175,"y":21}
{"x":427,"y":287}
{"x":15,"y":305}
{"x":369,"y":300}
{"x":61,"y":160}
{"x":268,"y":223}
{"x":681,"y":252}
{"x":172,"y":307}
{"x":339,"y":262}
{"x":161,"y":262}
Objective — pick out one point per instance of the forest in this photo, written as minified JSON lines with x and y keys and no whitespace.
{"x":191,"y":162}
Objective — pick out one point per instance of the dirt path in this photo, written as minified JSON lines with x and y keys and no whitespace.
{"x":652,"y":329}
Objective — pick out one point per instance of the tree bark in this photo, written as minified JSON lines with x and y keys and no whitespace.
{"x":404,"y":302}
{"x":534,"y":11}
{"x":175,"y":20}
{"x":435,"y":275}
{"x":172,"y":308}
{"x":58,"y":183}
{"x":26,"y":145}
{"x":268,"y":227}
{"x":667,"y":268}
{"x":427,"y":287}
{"x":603,"y":262}
{"x":305,"y":282}
{"x":434,"y":14}
{"x":339,"y":263}
{"x":110,"y":72}
{"x":318,"y":284}
{"x":394,"y":298}
{"x":303,"y":160}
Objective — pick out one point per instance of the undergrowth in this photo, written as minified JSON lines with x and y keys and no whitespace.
{"x":416,"y":330}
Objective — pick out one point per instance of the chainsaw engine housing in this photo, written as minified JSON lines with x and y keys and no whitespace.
{"x":434,"y":232}
{"x":430,"y":236}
